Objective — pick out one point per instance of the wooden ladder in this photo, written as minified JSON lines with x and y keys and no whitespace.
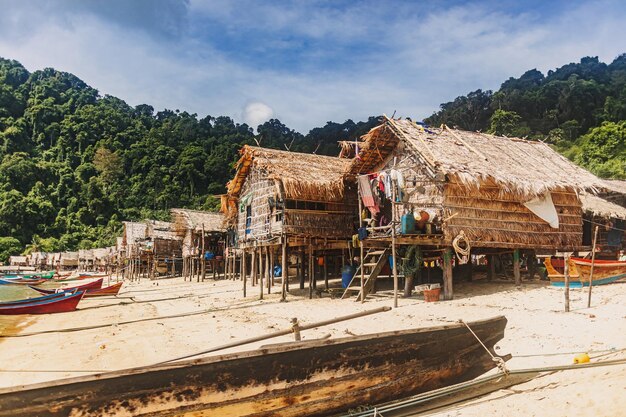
{"x":373,"y":263}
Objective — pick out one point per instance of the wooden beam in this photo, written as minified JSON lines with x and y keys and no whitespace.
{"x":448,"y":293}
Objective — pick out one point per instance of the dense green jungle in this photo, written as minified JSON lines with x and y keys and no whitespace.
{"x":75,"y":163}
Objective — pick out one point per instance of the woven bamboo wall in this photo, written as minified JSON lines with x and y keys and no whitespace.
{"x":492,"y":217}
{"x":263,"y":223}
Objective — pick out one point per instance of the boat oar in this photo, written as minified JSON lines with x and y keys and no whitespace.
{"x":279,"y":333}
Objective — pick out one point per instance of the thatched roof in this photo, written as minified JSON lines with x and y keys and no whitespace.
{"x":616,"y":186}
{"x":194,"y":219}
{"x":157,"y":229}
{"x":601,"y":207}
{"x":518,"y":166}
{"x":303,"y":176}
{"x":134,"y":231}
{"x":14,"y":260}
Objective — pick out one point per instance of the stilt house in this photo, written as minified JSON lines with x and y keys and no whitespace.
{"x":486,"y":192}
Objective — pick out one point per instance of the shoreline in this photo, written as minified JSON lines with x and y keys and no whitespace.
{"x":153,"y":321}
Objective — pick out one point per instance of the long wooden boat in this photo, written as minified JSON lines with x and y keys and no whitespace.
{"x":21,"y":281}
{"x":316,"y":378}
{"x":89,"y":286}
{"x":34,"y":299}
{"x":34,"y":275}
{"x":101,"y":292}
{"x":54,"y":305}
{"x":604,"y":272}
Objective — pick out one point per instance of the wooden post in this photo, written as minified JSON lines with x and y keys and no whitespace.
{"x":253,"y":267}
{"x":393,"y":243}
{"x":516,"y":268}
{"x":310,"y":271}
{"x":268,"y":269}
{"x":593,"y":261}
{"x":243,"y":270}
{"x":261,"y":273}
{"x":301,"y":267}
{"x":203,"y":266}
{"x":326,"y":272}
{"x":284,"y":269}
{"x":296,"y":329}
{"x":566,"y":277}
{"x":491,"y":271}
{"x":448,"y":293}
{"x":272,"y":266}
{"x":361,"y":249}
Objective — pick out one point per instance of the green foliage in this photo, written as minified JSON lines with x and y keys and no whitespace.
{"x":9,"y":246}
{"x":568,"y":108}
{"x":75,"y":164}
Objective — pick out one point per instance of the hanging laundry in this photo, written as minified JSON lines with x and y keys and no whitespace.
{"x":367,"y":196}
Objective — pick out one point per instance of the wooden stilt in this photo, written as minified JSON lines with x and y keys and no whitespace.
{"x":326,"y":272}
{"x":261,"y":273}
{"x":268,"y":269}
{"x":253,"y":267}
{"x":202,"y":260}
{"x":566,"y":278}
{"x":516,"y":268}
{"x":272,"y":266}
{"x":285,"y":269}
{"x":310,"y":271}
{"x":491,"y":271}
{"x":448,"y":293}
{"x":593,"y":262}
{"x":244,"y":277}
{"x":301,"y":268}
{"x":393,"y":244}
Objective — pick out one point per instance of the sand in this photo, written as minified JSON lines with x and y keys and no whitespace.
{"x":171,"y":318}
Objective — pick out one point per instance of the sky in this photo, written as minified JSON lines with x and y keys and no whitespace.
{"x":305,"y":62}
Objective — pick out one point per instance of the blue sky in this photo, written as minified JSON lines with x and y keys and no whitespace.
{"x":305,"y":62}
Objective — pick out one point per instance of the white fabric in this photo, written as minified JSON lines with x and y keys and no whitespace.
{"x":544,"y":208}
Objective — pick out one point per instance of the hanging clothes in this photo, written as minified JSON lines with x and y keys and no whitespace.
{"x":368,"y":196}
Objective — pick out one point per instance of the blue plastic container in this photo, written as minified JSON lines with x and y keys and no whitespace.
{"x":347,"y":272}
{"x":407,"y":224}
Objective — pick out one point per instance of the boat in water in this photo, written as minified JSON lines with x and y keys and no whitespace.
{"x":313,"y":378}
{"x":21,"y":281}
{"x":604,"y":271}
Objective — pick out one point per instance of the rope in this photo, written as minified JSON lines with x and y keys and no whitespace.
{"x":462,"y":253}
{"x":498,"y":360}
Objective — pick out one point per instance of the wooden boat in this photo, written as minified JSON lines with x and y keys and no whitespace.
{"x":110,"y":290}
{"x":35,"y":275}
{"x":21,"y":281}
{"x":55,"y":305}
{"x":315,"y":378}
{"x":604,"y":272}
{"x":34,"y":299}
{"x":89,"y":286}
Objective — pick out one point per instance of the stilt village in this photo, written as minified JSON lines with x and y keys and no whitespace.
{"x":376,"y":283}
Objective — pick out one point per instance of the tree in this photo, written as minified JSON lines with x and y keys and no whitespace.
{"x":505,"y":123}
{"x":9,"y":246}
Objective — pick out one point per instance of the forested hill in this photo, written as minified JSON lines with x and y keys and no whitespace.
{"x":74,"y":163}
{"x":580,"y":108}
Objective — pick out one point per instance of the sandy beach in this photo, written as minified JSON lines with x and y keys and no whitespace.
{"x":152,"y":321}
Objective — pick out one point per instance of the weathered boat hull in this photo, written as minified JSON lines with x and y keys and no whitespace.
{"x":21,"y":281}
{"x":604,"y":272}
{"x":300,"y":379}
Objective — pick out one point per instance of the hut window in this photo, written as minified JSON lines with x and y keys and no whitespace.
{"x":248,"y":218}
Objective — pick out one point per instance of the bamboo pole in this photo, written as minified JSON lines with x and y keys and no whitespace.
{"x":516,"y":268}
{"x":393,"y":243}
{"x":253,"y":267}
{"x":280,"y":333}
{"x":310,"y":271}
{"x":566,"y":277}
{"x":268,"y":270}
{"x":285,"y":269}
{"x":361,"y":254}
{"x":326,"y":272}
{"x":261,"y":272}
{"x":244,"y":272}
{"x":203,"y":265}
{"x":593,"y":261}
{"x":272,"y":266}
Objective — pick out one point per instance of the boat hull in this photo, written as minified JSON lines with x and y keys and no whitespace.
{"x":21,"y":281}
{"x":604,"y":272}
{"x":33,"y":300}
{"x":55,"y":305}
{"x":89,"y":286}
{"x":101,"y":292}
{"x":317,"y":378}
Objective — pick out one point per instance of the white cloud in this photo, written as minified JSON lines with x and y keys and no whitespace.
{"x":407,"y":62}
{"x":257,"y":113}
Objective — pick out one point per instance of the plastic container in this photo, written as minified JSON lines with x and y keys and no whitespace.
{"x":408,"y":224}
{"x":431,"y":296}
{"x":347,"y":272}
